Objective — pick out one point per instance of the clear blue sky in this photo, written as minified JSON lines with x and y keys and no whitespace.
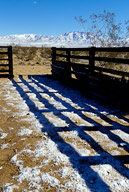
{"x":53,"y":17}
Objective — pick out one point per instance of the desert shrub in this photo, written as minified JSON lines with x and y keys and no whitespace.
{"x":25,"y":53}
{"x":32,"y":55}
{"x":45,"y":52}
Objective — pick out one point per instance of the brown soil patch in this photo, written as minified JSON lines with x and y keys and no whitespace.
{"x":11,"y":124}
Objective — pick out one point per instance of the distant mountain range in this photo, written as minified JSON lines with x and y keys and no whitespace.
{"x":72,"y":39}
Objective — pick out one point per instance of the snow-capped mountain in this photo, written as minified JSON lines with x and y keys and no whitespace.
{"x":72,"y":39}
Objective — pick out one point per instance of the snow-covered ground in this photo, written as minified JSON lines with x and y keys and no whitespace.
{"x":83,"y":146}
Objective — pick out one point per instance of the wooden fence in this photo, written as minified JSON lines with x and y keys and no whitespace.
{"x":107,"y":69}
{"x":6,"y":61}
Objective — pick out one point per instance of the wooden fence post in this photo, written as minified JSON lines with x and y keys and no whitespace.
{"x":53,"y":57}
{"x":53,"y":54}
{"x":91,"y":60}
{"x":68,"y":64}
{"x":10,"y":61}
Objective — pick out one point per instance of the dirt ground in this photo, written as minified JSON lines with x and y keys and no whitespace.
{"x":10,"y":125}
{"x":32,"y":70}
{"x":20,"y":136}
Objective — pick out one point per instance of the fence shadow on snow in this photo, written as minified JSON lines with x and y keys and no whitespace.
{"x":70,"y":100}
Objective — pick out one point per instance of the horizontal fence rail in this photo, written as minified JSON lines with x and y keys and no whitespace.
{"x":6,"y":61}
{"x":67,"y":67}
{"x":106,"y":67}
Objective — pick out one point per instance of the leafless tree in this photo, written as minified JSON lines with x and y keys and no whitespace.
{"x":103,"y":30}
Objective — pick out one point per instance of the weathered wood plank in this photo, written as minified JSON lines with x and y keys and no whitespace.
{"x":114,"y":60}
{"x":4,"y":46}
{"x":4,"y":65}
{"x":112,"y":49}
{"x":3,"y":53}
{"x":2,"y":70}
{"x":116,"y":72}
{"x":4,"y":59}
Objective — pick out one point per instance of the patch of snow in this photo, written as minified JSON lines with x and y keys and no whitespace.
{"x":55,"y":120}
{"x":32,"y":175}
{"x":124,"y":136}
{"x":52,"y":181}
{"x":68,"y":101}
{"x":14,"y":158}
{"x":29,"y":173}
{"x":119,"y":120}
{"x":82,"y":151}
{"x":24,"y":132}
{"x":110,"y":176}
{"x":9,"y":187}
{"x":104,"y":113}
{"x":10,"y":128}
{"x":75,"y":182}
{"x":75,"y":118}
{"x":50,"y":101}
{"x":48,"y":146}
{"x":3,"y":135}
{"x":64,"y":171}
{"x":4,"y":146}
{"x":95,"y":117}
{"x":5,"y":109}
